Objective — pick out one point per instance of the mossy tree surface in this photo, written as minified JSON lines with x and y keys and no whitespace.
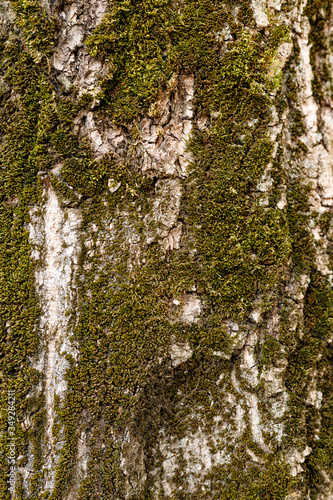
{"x":240,"y":249}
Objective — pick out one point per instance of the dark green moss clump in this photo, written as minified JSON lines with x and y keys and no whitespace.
{"x":23,"y":126}
{"x":36,"y":27}
{"x":146,"y":42}
{"x":242,"y":241}
{"x":312,"y":359}
{"x":319,"y":13}
{"x":134,"y":39}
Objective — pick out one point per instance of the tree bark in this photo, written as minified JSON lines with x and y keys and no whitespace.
{"x":166,"y":245}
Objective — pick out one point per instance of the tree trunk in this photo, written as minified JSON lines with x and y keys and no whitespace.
{"x":166,"y":245}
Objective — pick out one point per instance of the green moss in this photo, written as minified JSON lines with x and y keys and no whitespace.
{"x":36,"y":26}
{"x":252,"y":482}
{"x":298,"y":217}
{"x":241,"y":247}
{"x":124,"y":326}
{"x":145,"y":43}
{"x":26,"y":120}
{"x":134,"y":38}
{"x":243,"y":244}
{"x":319,"y":13}
{"x":313,"y":353}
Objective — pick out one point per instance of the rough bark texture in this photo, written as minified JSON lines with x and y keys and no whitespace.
{"x":166,"y":239}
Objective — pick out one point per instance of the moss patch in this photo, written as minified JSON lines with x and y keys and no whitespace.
{"x":24,"y":100}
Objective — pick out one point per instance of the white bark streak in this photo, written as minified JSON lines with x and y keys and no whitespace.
{"x":55,"y":282}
